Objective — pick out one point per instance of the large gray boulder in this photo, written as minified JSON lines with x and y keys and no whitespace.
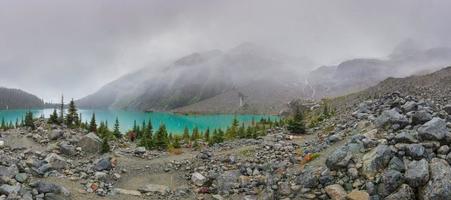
{"x":421,"y":117}
{"x":228,"y":181}
{"x":434,"y":129}
{"x":55,"y":134}
{"x":339,"y":158}
{"x":309,"y":178}
{"x":416,"y":151}
{"x":417,"y":173}
{"x":198,"y":179}
{"x":391,"y":117}
{"x":439,"y":185}
{"x":9,"y":189}
{"x":103,"y":164}
{"x":46,"y":187}
{"x":404,"y":193}
{"x":56,"y":161}
{"x":391,"y":180}
{"x":9,"y":171}
{"x":376,"y":160}
{"x":447,"y":109}
{"x":90,"y":143}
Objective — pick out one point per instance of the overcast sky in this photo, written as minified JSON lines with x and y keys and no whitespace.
{"x":49,"y":47}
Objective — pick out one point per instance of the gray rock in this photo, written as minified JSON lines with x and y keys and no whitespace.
{"x":53,"y":196}
{"x":396,"y":164}
{"x":416,"y":151}
{"x":153,"y":188}
{"x":443,"y":150}
{"x":21,"y":177}
{"x":56,"y":161}
{"x":391,"y":117}
{"x":391,"y":180}
{"x":90,"y":143}
{"x":447,"y":109}
{"x":448,"y":158}
{"x":406,"y":137}
{"x":228,"y":181}
{"x":284,"y":189}
{"x":376,"y":160}
{"x":9,"y":172}
{"x":55,"y":134}
{"x":409,"y":106}
{"x":140,"y":150}
{"x":417,"y":173}
{"x":9,"y":189}
{"x":45,"y":187}
{"x":103,"y":164}
{"x":421,"y":117}
{"x":434,"y":129}
{"x":67,"y":149}
{"x":439,"y":185}
{"x":198,"y":179}
{"x":339,"y":158}
{"x":308,"y":179}
{"x":405,"y":192}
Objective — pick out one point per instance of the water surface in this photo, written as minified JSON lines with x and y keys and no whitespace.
{"x":175,"y":123}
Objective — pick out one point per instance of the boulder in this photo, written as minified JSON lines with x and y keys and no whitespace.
{"x":447,"y":109}
{"x":439,"y":185}
{"x":391,"y":117}
{"x":308,"y":179}
{"x":90,"y":143}
{"x":198,"y":179}
{"x":55,"y":134}
{"x":405,"y":192}
{"x":421,"y":117}
{"x":339,"y":158}
{"x":140,"y":150}
{"x":9,"y":172}
{"x":103,"y":164}
{"x":336,"y":192}
{"x":376,"y":160}
{"x":56,"y":161}
{"x":416,"y":151}
{"x":228,"y":181}
{"x":391,"y":180}
{"x":417,"y":173}
{"x":396,"y":164}
{"x":435,"y":130}
{"x":406,"y":137}
{"x":9,"y":189}
{"x":358,"y":195}
{"x":46,"y":187}
{"x":409,"y":106}
{"x":153,"y":188}
{"x":67,"y":149}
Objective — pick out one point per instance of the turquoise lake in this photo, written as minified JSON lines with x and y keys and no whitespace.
{"x":175,"y":123}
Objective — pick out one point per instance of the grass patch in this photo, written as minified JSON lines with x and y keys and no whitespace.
{"x":247,"y":152}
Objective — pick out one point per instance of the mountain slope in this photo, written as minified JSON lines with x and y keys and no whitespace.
{"x":15,"y":99}
{"x":212,"y":81}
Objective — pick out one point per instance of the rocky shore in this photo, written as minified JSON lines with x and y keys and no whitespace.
{"x":392,"y":147}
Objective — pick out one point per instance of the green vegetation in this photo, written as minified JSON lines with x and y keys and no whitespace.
{"x":29,"y":120}
{"x":297,"y":125}
{"x":72,"y":115}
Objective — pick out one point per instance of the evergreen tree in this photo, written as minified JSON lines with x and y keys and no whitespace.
{"x":17,"y":122}
{"x":3,"y":126}
{"x":134,"y":126}
{"x":72,"y":115}
{"x":242,"y":131}
{"x":92,"y":124}
{"x":147,"y":137}
{"x":105,"y":145}
{"x":207,"y":135}
{"x":185,"y":135}
{"x":117,"y":132}
{"x":54,"y":117}
{"x":232,"y":132}
{"x":296,"y":125}
{"x":10,"y":126}
{"x":176,"y":142}
{"x":29,"y":120}
{"x":195,"y":135}
{"x":161,"y":138}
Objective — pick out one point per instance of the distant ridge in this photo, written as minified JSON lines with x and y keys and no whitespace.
{"x":18,"y":99}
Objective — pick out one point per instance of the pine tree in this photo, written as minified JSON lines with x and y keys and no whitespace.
{"x":207,"y":135}
{"x":72,"y":115}
{"x":105,"y":145}
{"x":2,"y":126}
{"x":92,"y":124}
{"x":185,"y":135}
{"x":147,"y":137}
{"x":54,"y":117}
{"x":161,"y":138}
{"x":29,"y":120}
{"x":117,"y":132}
{"x":195,"y":134}
{"x":242,"y":131}
{"x":176,"y":142}
{"x":296,"y":125}
{"x":232,"y":132}
{"x":17,"y":122}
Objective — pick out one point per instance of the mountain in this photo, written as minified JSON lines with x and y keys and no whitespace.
{"x":15,"y":99}
{"x":358,"y":74}
{"x":248,"y":78}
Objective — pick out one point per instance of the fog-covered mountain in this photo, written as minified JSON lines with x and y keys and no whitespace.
{"x":247,"y":78}
{"x":15,"y":99}
{"x":357,"y":74}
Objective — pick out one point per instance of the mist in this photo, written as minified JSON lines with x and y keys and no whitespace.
{"x":75,"y":47}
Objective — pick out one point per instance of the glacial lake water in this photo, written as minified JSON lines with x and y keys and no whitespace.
{"x":175,"y":123}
